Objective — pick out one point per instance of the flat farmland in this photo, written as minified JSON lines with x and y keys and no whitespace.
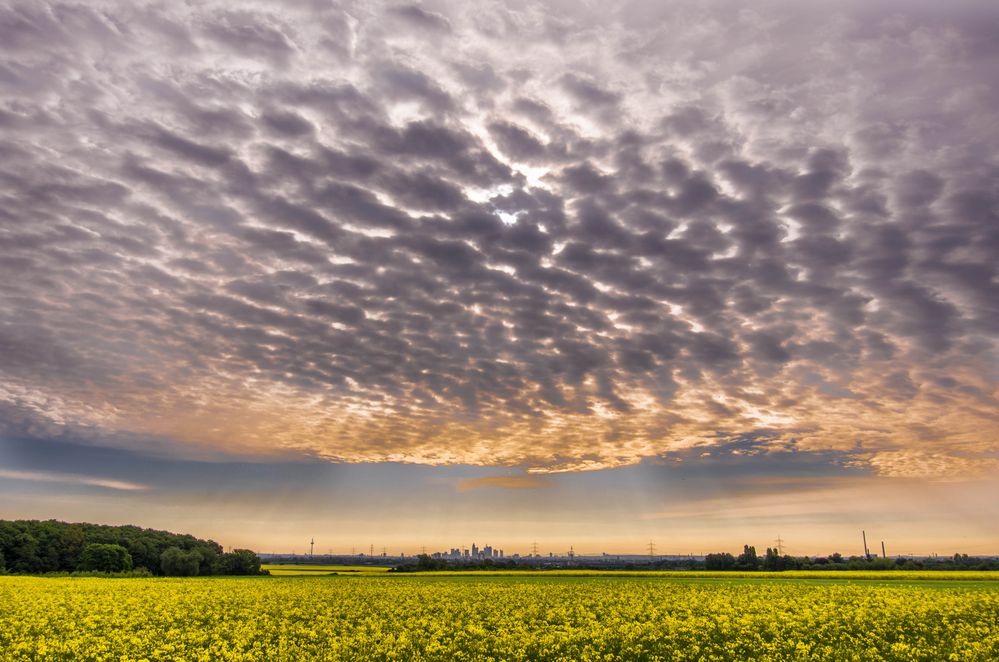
{"x":313,"y":570}
{"x":524,"y":616}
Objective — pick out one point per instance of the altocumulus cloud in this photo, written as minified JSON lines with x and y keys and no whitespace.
{"x":543,"y":235}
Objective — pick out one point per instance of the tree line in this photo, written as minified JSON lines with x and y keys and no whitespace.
{"x":772,"y":560}
{"x":749,"y":560}
{"x":426,"y":563}
{"x":36,"y":547}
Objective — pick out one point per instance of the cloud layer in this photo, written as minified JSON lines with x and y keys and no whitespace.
{"x":534,"y":235}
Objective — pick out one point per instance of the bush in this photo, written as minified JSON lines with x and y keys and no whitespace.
{"x":101,"y":557}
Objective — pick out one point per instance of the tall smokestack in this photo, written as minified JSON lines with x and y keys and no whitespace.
{"x":867,"y":554}
{"x":883,"y":555}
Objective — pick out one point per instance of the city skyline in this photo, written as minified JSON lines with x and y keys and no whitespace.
{"x":589,"y":273}
{"x":536,"y":551}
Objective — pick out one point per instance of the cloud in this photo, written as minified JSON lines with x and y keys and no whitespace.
{"x":421,"y":18}
{"x":918,"y":464}
{"x":70,"y":479}
{"x":381,"y":233}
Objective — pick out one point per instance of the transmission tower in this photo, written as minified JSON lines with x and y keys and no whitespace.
{"x":652,"y":550}
{"x":534,"y":549}
{"x":780,"y":545}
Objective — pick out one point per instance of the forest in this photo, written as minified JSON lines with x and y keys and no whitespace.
{"x":37,"y":547}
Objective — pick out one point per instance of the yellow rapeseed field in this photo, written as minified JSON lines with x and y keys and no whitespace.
{"x":532,"y":617}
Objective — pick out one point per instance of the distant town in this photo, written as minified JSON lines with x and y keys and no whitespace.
{"x":774,"y":558}
{"x":473,"y":554}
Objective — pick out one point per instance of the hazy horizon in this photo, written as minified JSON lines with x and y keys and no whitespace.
{"x":423,"y":274}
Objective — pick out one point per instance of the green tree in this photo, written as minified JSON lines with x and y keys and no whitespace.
{"x":24,"y":553}
{"x":208,"y":558}
{"x":103,"y":557}
{"x":32,"y":546}
{"x":238,"y":562}
{"x":175,"y":562}
{"x":772,"y":560}
{"x":748,"y":560}
{"x":3,"y":564}
{"x":68,"y":542}
{"x":722,"y":561}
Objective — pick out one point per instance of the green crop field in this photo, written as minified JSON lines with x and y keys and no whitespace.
{"x":289,"y":569}
{"x":526,"y":616}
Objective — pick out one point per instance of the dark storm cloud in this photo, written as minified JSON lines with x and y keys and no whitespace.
{"x":413,"y":233}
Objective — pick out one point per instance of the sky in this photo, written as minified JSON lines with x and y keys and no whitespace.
{"x":585,"y":274}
